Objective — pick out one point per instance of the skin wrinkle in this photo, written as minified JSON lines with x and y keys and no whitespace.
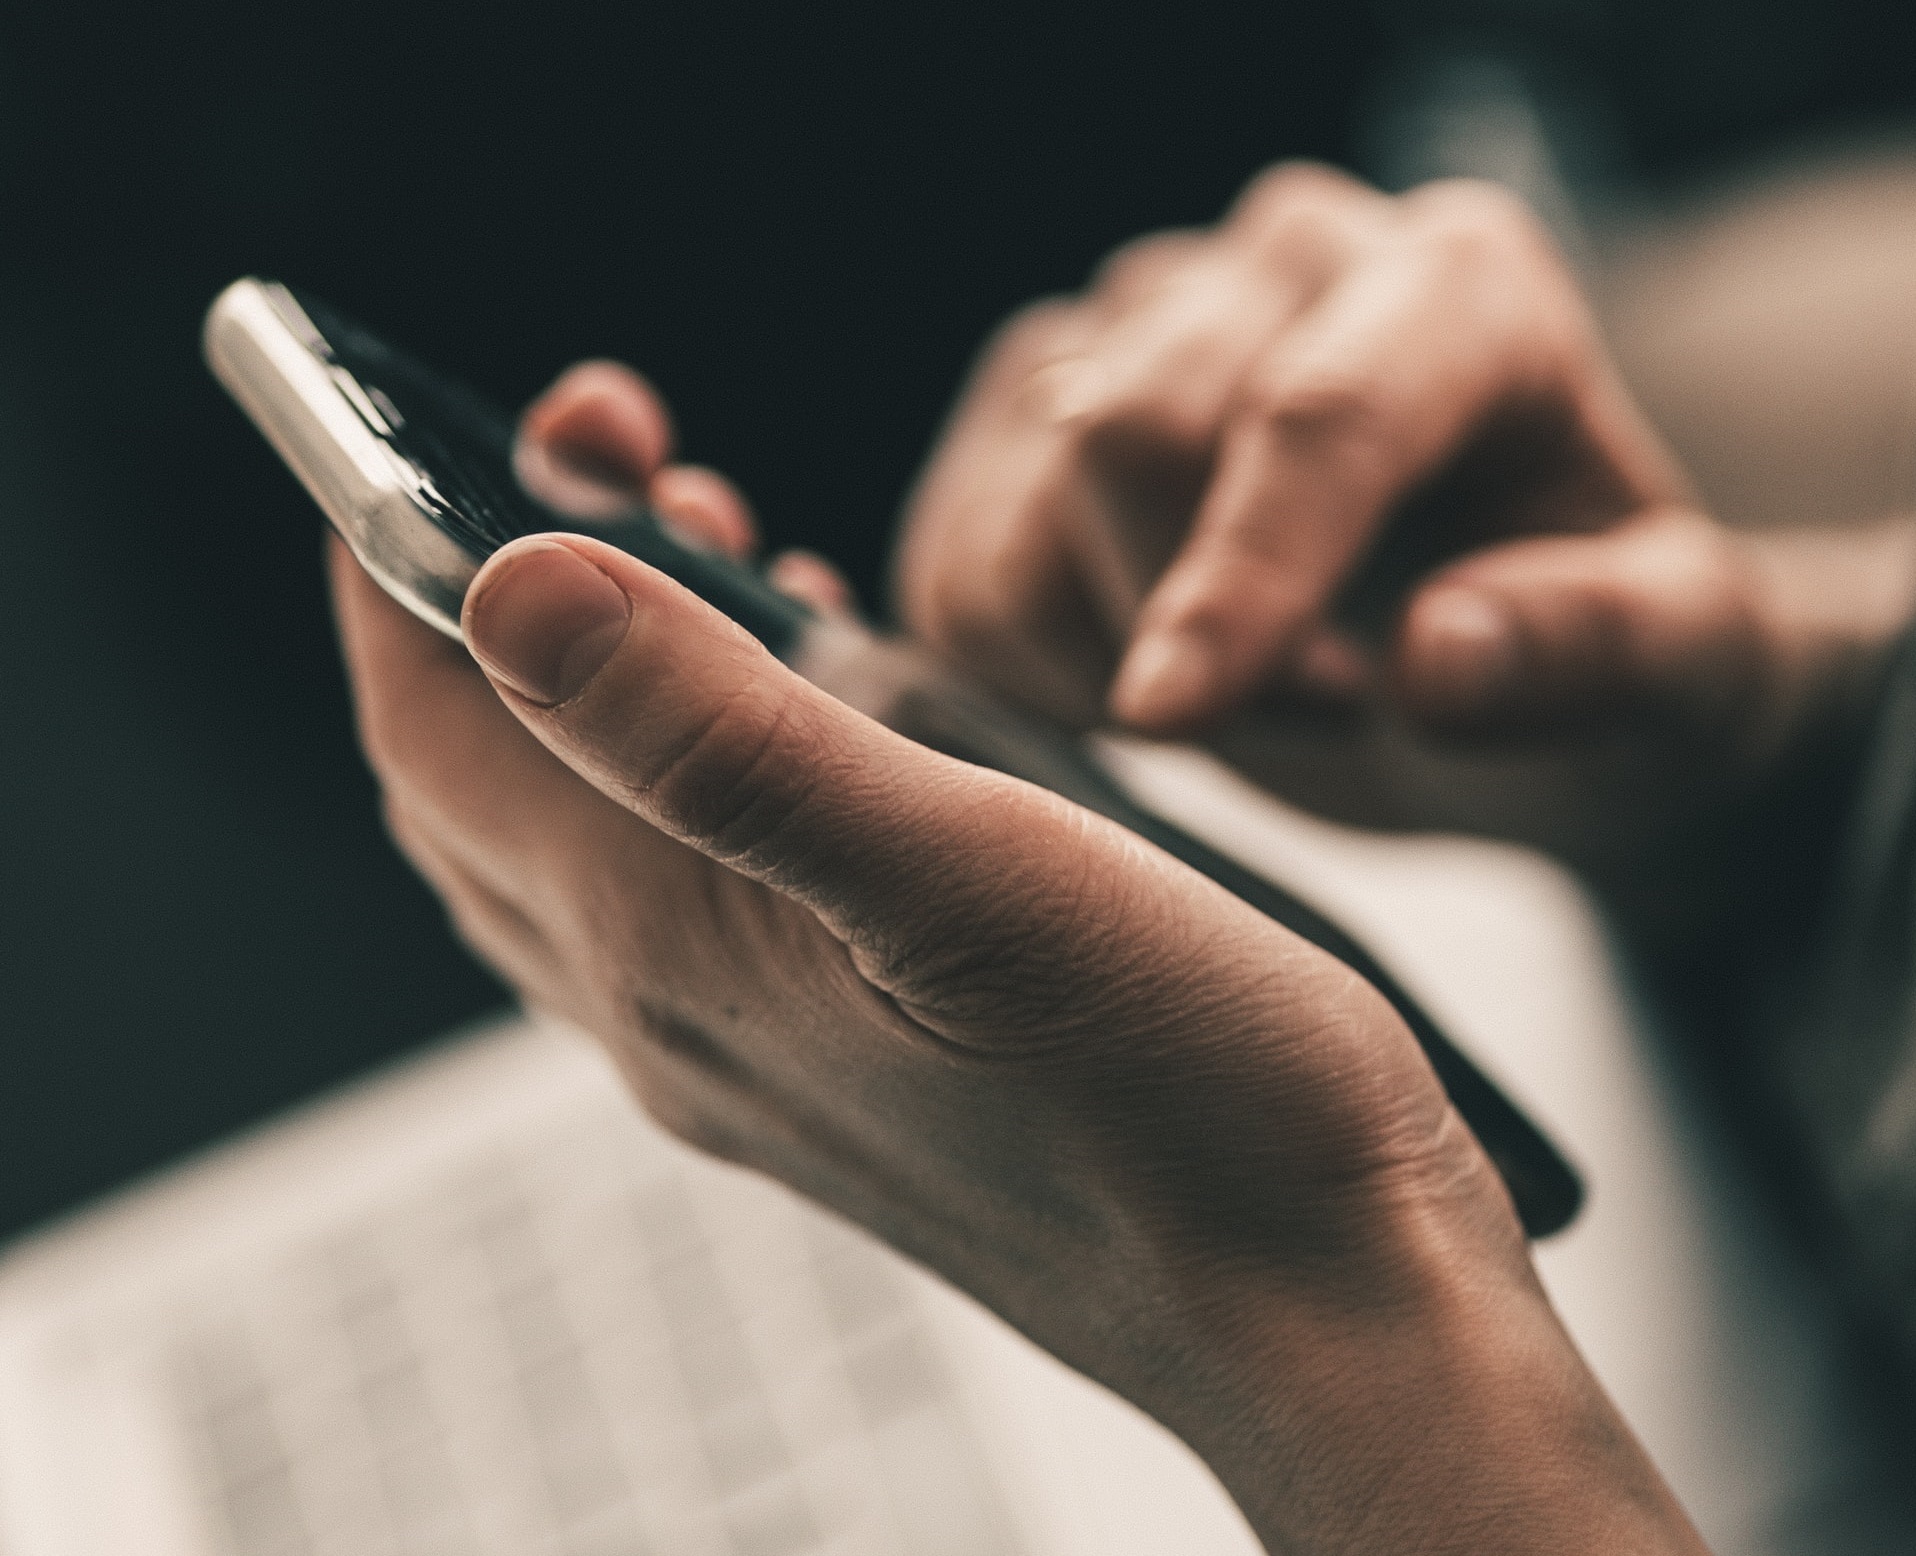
{"x":1318,"y":1477}
{"x":652,"y":757}
{"x":719,"y":909}
{"x":1168,"y":375}
{"x":902,"y":1196}
{"x":687,"y":1040}
{"x":989,"y":962}
{"x":708,"y":784}
{"x":923,"y":906}
{"x":1133,"y":271}
{"x":717,"y":790}
{"x":981,"y":1143}
{"x":1336,"y":1161}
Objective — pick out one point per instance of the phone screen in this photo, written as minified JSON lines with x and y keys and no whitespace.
{"x":460,"y":453}
{"x":460,"y":446}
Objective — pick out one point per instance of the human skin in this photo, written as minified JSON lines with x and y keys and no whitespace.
{"x":1186,"y":1151}
{"x":1348,"y":488}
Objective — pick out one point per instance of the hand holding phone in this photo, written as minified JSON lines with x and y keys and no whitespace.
{"x":416,"y":475}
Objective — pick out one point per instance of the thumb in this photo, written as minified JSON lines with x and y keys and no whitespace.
{"x":915,"y":860}
{"x":1658,"y":619}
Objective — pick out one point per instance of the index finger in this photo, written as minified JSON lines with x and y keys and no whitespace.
{"x":1350,"y":410}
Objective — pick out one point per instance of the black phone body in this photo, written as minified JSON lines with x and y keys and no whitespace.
{"x":416,"y":474}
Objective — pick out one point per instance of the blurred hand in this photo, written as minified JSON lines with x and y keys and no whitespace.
{"x":1348,"y":486}
{"x":1201,"y":450}
{"x":1180,"y":1147}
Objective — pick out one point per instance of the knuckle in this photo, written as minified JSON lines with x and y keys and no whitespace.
{"x":1144,"y":263}
{"x":1298,"y":237}
{"x":733,"y":780}
{"x":1475,"y":221}
{"x":1296,"y":186}
{"x":1489,"y":246}
{"x":1149,"y":420}
{"x":965,"y":615}
{"x":1321,"y":403}
{"x":1702,"y":563}
{"x":1033,"y":335}
{"x":1488,"y":252}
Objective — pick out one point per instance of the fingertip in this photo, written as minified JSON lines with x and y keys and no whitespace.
{"x":606,"y":399}
{"x":543,"y":620}
{"x":1204,"y":637}
{"x":600,"y":423}
{"x":706,"y":507}
{"x":1165,"y":682}
{"x":1459,"y":655}
{"x":811,"y":580}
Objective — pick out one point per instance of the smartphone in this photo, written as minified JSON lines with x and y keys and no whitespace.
{"x":416,"y":474}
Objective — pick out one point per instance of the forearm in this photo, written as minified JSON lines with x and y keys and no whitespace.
{"x":1479,"y":1432}
{"x":1427,"y":1400}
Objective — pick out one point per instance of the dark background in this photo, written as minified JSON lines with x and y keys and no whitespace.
{"x":799,"y":220}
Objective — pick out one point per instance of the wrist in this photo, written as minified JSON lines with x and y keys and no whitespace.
{"x":1427,"y":1399}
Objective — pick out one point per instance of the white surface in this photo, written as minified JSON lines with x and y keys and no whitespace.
{"x":1672,"y":1282}
{"x":305,"y":1343}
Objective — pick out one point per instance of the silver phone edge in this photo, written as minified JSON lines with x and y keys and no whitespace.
{"x":252,"y":340}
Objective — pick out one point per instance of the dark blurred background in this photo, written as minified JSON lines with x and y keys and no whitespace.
{"x":799,"y":220}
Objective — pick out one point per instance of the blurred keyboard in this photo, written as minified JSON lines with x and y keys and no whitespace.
{"x":557,"y":1346}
